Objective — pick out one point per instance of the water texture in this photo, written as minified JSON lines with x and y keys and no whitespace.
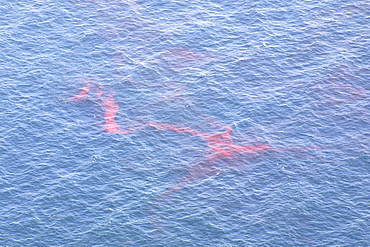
{"x":184,"y":123}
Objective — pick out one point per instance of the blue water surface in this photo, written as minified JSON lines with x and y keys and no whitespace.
{"x":291,"y":74}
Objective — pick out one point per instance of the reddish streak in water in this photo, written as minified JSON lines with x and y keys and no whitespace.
{"x":83,"y":94}
{"x":220,"y":144}
{"x":160,"y":126}
{"x":111,"y":109}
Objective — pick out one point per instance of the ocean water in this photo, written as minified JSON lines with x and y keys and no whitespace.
{"x":184,"y":123}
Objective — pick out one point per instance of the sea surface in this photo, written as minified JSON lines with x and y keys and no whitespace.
{"x":184,"y":123}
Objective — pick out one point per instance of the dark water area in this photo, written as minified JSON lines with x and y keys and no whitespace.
{"x":198,"y":123}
